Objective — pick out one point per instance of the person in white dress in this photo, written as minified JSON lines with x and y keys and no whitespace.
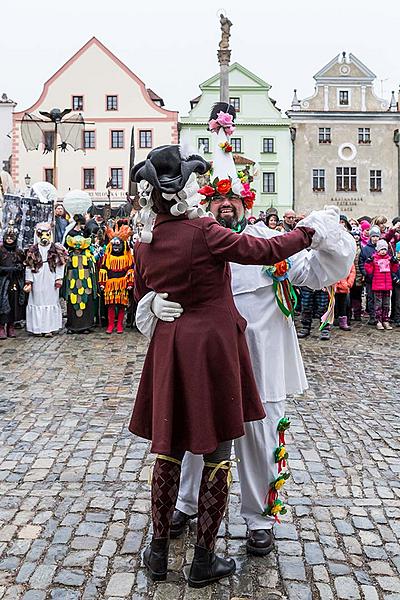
{"x":45,"y":263}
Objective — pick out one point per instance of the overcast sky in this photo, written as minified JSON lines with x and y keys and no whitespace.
{"x":171,"y":45}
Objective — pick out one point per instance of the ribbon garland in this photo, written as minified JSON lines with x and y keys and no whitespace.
{"x":284,"y":292}
{"x":328,"y":317}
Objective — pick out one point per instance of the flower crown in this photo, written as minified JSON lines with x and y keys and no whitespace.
{"x":223,"y":187}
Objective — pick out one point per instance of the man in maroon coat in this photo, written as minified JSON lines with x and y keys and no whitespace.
{"x":197,"y":387}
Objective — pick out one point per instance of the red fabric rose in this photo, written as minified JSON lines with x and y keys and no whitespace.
{"x":207,"y":190}
{"x":224,"y":186}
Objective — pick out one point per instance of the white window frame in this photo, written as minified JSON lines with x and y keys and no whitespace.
{"x":364,"y":135}
{"x":341,"y":89}
{"x":264,"y":191}
{"x":273,"y":145}
{"x":206,"y":151}
{"x":319,"y":175}
{"x":346,"y":173}
{"x":326,"y":135}
{"x":373,"y":176}
{"x":240,"y":103}
{"x":241,"y":144}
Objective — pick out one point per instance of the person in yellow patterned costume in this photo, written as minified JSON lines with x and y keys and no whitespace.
{"x":116,"y":275}
{"x":80,"y":285}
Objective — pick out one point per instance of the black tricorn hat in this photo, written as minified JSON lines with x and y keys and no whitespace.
{"x":167,"y":170}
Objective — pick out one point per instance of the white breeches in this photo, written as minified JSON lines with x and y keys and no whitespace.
{"x":256,"y":467}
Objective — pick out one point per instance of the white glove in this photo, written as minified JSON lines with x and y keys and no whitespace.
{"x":325,"y":223}
{"x":164,"y":309}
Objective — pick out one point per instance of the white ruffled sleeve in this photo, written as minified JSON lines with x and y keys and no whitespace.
{"x":326,"y":265}
{"x":146,"y":320}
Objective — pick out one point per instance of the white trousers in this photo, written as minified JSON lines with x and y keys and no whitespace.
{"x":256,"y":468}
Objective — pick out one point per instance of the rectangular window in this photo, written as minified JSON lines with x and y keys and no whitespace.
{"x":324,"y":135}
{"x":235,"y":103}
{"x":89,"y":139}
{"x":88,"y":179}
{"x":318,"y":180}
{"x":343,"y":98}
{"x":236,"y":144}
{"x":269,"y":183}
{"x":48,"y":175}
{"x":204,"y":143}
{"x":48,"y":141}
{"x":346,"y":179}
{"x":145,"y":138}
{"x":116,"y":178}
{"x":364,"y":135}
{"x":77,"y":102}
{"x":112,"y":102}
{"x":375,"y":180}
{"x":117,"y":138}
{"x":268,"y":145}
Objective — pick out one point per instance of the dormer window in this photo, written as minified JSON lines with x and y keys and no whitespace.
{"x":77,"y":102}
{"x":344,"y":99}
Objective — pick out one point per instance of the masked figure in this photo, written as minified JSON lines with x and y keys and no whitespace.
{"x":45,"y":263}
{"x":80,"y":285}
{"x":12,"y":295}
{"x":116,"y":275}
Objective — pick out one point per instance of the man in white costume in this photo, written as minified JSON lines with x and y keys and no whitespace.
{"x":274,"y":350}
{"x":45,"y":263}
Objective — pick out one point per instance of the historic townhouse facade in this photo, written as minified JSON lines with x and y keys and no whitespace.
{"x":112,"y":99}
{"x":6,"y":124}
{"x":262,"y":138}
{"x":346,"y":143}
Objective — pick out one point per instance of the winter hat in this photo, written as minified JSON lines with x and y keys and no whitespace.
{"x":345,"y":221}
{"x":395,"y":220}
{"x":365,"y":225}
{"x":374,"y":231}
{"x":382,"y":245}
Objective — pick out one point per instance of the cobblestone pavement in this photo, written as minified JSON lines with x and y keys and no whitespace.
{"x":74,"y":498}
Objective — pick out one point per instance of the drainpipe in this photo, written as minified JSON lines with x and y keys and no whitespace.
{"x":293,"y":138}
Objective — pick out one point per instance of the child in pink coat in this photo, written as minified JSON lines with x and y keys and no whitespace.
{"x":381,"y":266}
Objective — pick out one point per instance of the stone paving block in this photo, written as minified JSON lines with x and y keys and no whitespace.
{"x":347,"y":588}
{"x":313,"y":553}
{"x":292,"y":568}
{"x":298,"y":591}
{"x":42,"y":576}
{"x":121,"y":584}
{"x":70,"y":578}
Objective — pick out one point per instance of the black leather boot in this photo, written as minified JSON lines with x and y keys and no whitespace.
{"x":179,"y":523}
{"x":260,"y":542}
{"x":207,"y":568}
{"x":155,"y":558}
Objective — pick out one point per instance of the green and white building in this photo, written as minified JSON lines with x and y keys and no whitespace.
{"x":262,"y":139}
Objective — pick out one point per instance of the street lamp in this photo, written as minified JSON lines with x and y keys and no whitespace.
{"x":28,"y":181}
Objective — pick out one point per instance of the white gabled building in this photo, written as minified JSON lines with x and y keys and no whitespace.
{"x":112,"y":99}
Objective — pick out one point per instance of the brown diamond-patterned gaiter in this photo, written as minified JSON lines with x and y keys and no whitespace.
{"x":164,"y":493}
{"x":213,"y":495}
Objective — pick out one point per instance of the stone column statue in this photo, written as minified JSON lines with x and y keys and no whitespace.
{"x":224,"y":57}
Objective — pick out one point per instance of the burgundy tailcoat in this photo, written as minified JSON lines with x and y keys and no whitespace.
{"x":197,"y":386}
